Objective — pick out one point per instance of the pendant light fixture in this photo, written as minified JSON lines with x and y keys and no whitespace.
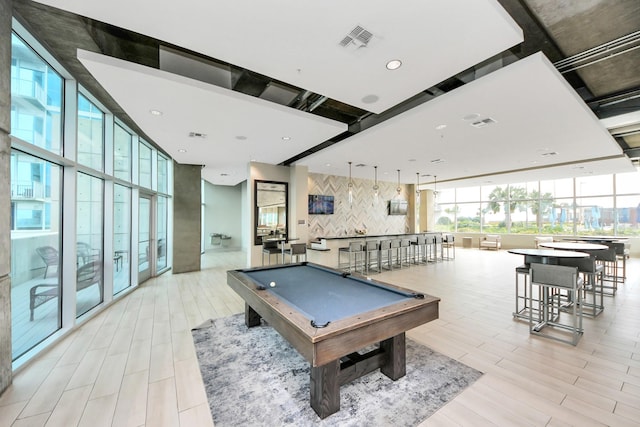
{"x":435,"y":191}
{"x":376,"y":188}
{"x":398,"y":190}
{"x":350,"y":186}
{"x":417,"y":185}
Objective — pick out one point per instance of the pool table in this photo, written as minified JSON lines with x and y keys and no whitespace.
{"x":329,"y":316}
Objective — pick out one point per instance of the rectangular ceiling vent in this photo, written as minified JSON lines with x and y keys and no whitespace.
{"x":357,"y":38}
{"x":197,"y":135}
{"x":360,"y":165}
{"x":482,"y":123}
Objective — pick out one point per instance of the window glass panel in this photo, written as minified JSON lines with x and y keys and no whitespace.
{"x":524,"y":218}
{"x":594,"y":185}
{"x":36,"y":98}
{"x":35,"y":251}
{"x":90,"y":134}
{"x":467,"y":194}
{"x":468,"y":215}
{"x":446,"y":196}
{"x":628,"y":215}
{"x":560,"y":217}
{"x":144,"y":233}
{"x":161,"y":261}
{"x":145,"y":166}
{"x":594,"y":215}
{"x":121,"y":237}
{"x":628,"y":183}
{"x":121,"y":153}
{"x":558,"y":188}
{"x":89,"y":260}
{"x":445,"y":217}
{"x":163,"y":185}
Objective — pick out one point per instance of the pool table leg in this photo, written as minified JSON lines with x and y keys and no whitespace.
{"x":325,"y":388}
{"x":251,"y":317}
{"x":395,"y":365}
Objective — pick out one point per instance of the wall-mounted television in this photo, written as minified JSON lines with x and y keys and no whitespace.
{"x":320,"y":205}
{"x":398,"y":207}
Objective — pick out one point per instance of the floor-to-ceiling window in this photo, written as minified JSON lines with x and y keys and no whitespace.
{"x":73,"y":229}
{"x":36,"y":249}
{"x":36,"y":252}
{"x":89,"y":252}
{"x":121,"y":238}
{"x":36,"y":98}
{"x":585,"y":205}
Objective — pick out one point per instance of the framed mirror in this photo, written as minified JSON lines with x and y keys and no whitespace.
{"x":271,"y":210}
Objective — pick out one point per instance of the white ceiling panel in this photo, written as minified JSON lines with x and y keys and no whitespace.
{"x":299,"y":42}
{"x":536,"y":120}
{"x":237,"y":128}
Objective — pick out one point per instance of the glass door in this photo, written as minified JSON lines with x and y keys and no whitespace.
{"x":145,"y":246}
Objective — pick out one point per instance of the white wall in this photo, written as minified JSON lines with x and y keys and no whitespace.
{"x":223,"y":205}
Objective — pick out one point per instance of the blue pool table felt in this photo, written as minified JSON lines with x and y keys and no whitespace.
{"x":325,"y":295}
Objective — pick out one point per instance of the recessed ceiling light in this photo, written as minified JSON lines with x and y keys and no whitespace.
{"x":412,"y":160}
{"x":155,"y":112}
{"x":394,"y":64}
{"x":471,"y":116}
{"x":286,"y":138}
{"x":328,"y":164}
{"x":440,"y":127}
{"x":370,"y":99}
{"x":182,"y":150}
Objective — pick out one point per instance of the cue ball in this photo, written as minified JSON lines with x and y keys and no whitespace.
{"x":272,"y":284}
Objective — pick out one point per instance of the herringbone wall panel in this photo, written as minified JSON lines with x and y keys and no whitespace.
{"x":363,"y":214}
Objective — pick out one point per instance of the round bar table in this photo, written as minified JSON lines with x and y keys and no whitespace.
{"x":573,"y":246}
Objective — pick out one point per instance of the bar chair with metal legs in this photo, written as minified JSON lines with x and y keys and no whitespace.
{"x":372,"y":257}
{"x":561,"y":305}
{"x":593,"y":301}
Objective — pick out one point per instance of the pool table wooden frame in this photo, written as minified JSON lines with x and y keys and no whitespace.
{"x":341,"y":339}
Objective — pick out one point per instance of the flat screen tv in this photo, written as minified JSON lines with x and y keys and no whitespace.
{"x":398,"y":207}
{"x":320,"y":205}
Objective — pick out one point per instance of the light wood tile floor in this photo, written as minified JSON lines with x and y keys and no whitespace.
{"x":134,"y":364}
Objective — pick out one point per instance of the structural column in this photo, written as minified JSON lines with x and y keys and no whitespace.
{"x":5,"y":194}
{"x":187,"y":221}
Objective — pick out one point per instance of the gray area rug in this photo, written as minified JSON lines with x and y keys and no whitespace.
{"x":253,"y":377}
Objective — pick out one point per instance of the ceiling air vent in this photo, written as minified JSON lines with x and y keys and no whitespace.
{"x":482,"y":123}
{"x":549,"y":154}
{"x":358,"y":37}
{"x":197,"y":135}
{"x":360,"y":165}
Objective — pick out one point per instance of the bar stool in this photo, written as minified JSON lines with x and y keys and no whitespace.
{"x":553,"y":281}
{"x":448,"y":243}
{"x":593,"y":283}
{"x":420,"y":249}
{"x":386,"y":254}
{"x":372,"y":256}
{"x":296,"y":250}
{"x":395,"y":251}
{"x":353,"y":251}
{"x":404,"y":252}
{"x":607,"y":259}
{"x":270,"y":248}
{"x":523,"y":304}
{"x":438,"y":249}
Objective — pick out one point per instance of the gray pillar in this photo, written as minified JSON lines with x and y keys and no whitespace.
{"x":5,"y":197}
{"x":186,"y":218}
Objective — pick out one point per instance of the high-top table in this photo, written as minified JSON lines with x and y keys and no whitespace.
{"x":573,"y":246}
{"x":542,"y":256}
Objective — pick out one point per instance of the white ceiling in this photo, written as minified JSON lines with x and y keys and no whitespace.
{"x":535,"y":110}
{"x":239,"y":128}
{"x":298,"y":43}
